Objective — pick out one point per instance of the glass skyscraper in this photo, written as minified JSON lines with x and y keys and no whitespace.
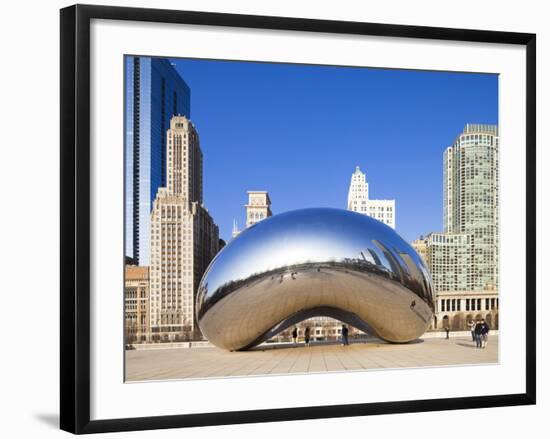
{"x":154,"y":92}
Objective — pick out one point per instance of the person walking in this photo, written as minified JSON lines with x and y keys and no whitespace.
{"x":472,"y":326}
{"x":478,"y":331}
{"x":306,"y":336}
{"x":345,"y":335}
{"x":295,"y":335}
{"x":447,"y":329}
{"x":484,"y":333}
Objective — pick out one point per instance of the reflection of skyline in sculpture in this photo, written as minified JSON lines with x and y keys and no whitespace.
{"x":314,"y":262}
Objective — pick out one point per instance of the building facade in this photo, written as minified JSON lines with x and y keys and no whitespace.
{"x":449,"y":256}
{"x":136,"y":304}
{"x":154,"y":92}
{"x":455,"y":309}
{"x":359,"y":201}
{"x":471,"y":200}
{"x":421,"y":247}
{"x":258,"y":207}
{"x":184,"y":237}
{"x":463,"y":260}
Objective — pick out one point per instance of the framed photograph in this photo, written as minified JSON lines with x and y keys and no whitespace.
{"x":276,"y":218}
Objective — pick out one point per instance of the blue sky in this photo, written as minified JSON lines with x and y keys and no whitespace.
{"x":299,"y":131}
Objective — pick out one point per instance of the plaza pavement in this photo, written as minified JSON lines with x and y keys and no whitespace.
{"x":210,"y":362}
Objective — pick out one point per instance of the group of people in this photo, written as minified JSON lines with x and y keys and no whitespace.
{"x":480,"y":332}
{"x":307,"y":335}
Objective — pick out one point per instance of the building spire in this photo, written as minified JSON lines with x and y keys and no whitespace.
{"x":236,"y":230}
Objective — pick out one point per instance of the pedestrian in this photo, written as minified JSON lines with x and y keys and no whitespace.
{"x":345,"y":335}
{"x":472,"y":326}
{"x":484,"y":333}
{"x":306,"y":336}
{"x":295,"y":335}
{"x":447,"y":329}
{"x":478,"y":332}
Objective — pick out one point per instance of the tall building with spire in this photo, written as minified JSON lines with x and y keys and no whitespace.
{"x":359,"y":201}
{"x":184,"y":237}
{"x":154,"y":92}
{"x":235,"y":231}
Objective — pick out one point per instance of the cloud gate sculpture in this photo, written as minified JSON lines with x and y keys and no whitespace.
{"x":314,"y":262}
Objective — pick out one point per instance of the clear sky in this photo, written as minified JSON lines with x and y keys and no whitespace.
{"x":299,"y":131}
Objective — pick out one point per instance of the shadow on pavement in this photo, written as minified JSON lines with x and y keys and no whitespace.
{"x":369,"y":341}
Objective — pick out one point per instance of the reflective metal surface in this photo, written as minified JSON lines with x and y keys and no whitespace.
{"x":313,"y":262}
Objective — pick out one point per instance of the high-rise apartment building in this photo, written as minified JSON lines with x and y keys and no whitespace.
{"x":449,"y":256}
{"x":359,"y":201}
{"x":470,"y":198}
{"x":154,"y":92}
{"x":463,"y":260}
{"x":465,"y":256}
{"x":136,"y":304}
{"x":184,"y":238}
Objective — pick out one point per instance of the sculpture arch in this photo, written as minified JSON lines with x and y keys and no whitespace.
{"x":312,"y":262}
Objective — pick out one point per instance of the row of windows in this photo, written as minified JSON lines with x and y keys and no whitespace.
{"x":471,"y":304}
{"x":257,"y":215}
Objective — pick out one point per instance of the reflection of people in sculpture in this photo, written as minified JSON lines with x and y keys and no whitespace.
{"x":306,"y":336}
{"x":295,"y":335}
{"x":345,"y":335}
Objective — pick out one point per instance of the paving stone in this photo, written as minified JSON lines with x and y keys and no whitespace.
{"x":165,"y":364}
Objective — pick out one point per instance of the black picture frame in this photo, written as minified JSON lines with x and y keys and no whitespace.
{"x":75,"y":217}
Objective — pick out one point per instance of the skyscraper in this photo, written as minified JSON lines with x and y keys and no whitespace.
{"x":184,"y":238}
{"x":470,"y":198}
{"x":358,"y":200}
{"x":463,"y":260}
{"x":154,"y":92}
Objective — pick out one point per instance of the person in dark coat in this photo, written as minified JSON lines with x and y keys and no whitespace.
{"x":345,"y":335}
{"x":478,"y":331}
{"x":306,"y":336}
{"x":295,"y":335}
